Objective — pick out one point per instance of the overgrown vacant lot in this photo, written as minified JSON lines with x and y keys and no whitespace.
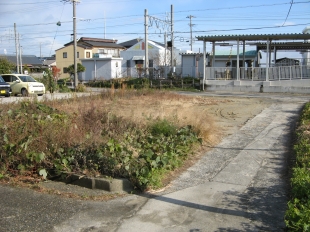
{"x":139,"y":135}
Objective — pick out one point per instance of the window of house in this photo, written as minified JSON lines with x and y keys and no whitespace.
{"x":65,"y":70}
{"x":77,"y":55}
{"x":64,"y":55}
{"x":87,"y":54}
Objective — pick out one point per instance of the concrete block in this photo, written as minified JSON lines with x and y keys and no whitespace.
{"x":103,"y":183}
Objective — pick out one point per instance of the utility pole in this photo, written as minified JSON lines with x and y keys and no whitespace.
{"x":165,"y":59}
{"x":74,"y":40}
{"x":191,"y":31}
{"x":172,"y":40}
{"x":104,"y":23}
{"x":20,"y":55}
{"x":16,"y":48}
{"x":146,"y":61}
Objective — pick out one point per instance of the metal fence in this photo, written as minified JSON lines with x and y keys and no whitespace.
{"x":218,"y":73}
{"x":258,"y":73}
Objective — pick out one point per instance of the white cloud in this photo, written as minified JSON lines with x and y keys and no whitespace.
{"x":285,"y":24}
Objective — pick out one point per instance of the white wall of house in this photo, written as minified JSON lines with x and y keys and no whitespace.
{"x":101,"y":69}
{"x":156,"y":53}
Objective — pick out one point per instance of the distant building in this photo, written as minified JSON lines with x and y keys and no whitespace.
{"x":286,"y":62}
{"x":33,"y":63}
{"x":226,"y":58}
{"x":87,"y":48}
{"x":306,"y":53}
{"x":192,"y":64}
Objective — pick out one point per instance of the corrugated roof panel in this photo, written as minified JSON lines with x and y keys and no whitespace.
{"x":296,"y":36}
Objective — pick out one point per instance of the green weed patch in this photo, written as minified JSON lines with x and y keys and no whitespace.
{"x":297,"y":216}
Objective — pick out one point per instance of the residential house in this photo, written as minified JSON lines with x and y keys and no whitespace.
{"x":33,"y":63}
{"x":228,"y":58}
{"x":87,"y":48}
{"x":286,"y":62}
{"x":159,"y":57}
{"x":49,"y":62}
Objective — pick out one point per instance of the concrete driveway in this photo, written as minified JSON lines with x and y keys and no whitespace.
{"x":240,"y":185}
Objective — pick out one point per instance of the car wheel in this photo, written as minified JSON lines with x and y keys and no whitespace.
{"x":40,"y":94}
{"x":24,"y":92}
{"x":8,"y":95}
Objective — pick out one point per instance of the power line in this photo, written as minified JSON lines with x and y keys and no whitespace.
{"x":288,"y":12}
{"x":56,"y":30}
{"x":28,"y":3}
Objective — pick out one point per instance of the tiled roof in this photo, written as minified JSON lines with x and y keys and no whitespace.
{"x":132,"y":42}
{"x":26,"y":59}
{"x":104,"y":44}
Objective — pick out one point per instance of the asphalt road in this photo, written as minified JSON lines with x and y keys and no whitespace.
{"x":49,"y":96}
{"x":239,"y":185}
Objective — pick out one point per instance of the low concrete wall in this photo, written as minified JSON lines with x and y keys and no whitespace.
{"x":283,"y":86}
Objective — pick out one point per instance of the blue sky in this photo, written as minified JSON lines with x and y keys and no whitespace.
{"x":124,"y":19}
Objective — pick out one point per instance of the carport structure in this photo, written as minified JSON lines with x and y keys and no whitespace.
{"x":263,"y":42}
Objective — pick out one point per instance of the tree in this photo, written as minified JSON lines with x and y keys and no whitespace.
{"x":6,"y":66}
{"x":80,"y":68}
{"x":56,"y":72}
{"x":49,"y":81}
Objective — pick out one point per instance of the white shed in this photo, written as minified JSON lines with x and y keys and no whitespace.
{"x":101,"y":69}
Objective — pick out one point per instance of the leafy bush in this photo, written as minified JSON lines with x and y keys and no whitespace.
{"x":297,"y":217}
{"x":6,"y":66}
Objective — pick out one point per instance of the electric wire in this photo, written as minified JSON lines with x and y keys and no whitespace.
{"x":288,"y":12}
{"x":56,"y":30}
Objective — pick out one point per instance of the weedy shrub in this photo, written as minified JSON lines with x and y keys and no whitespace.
{"x":61,"y":137}
{"x":297,"y":217}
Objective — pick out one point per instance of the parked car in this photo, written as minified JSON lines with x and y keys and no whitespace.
{"x":5,"y":89}
{"x":24,"y":84}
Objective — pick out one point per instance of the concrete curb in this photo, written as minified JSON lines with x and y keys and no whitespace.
{"x":107,"y":184}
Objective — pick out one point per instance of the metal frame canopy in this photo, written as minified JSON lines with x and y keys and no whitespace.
{"x":293,"y":38}
{"x":216,"y":38}
{"x":283,"y":45}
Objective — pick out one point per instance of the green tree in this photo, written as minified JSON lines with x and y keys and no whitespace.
{"x":80,"y":68}
{"x":6,"y":66}
{"x":49,"y":81}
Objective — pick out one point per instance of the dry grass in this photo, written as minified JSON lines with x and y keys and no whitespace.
{"x":144,"y":107}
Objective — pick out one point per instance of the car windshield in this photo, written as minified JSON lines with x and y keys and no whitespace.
{"x":1,"y":79}
{"x":27,"y":79}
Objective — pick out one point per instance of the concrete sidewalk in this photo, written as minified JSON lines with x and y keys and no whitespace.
{"x":240,"y":185}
